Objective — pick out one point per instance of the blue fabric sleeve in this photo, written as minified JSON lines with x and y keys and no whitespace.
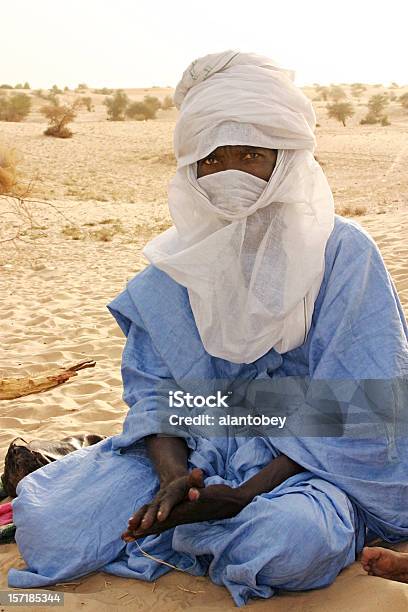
{"x":358,"y":356}
{"x":146,"y":383}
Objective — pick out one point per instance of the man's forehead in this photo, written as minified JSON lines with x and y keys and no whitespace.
{"x":237,"y":148}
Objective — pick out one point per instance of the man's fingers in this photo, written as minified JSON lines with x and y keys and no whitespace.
{"x":193,"y":494}
{"x":150,"y":516}
{"x":135,"y":520}
{"x":196,"y":478}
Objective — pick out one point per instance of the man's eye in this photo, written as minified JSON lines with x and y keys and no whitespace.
{"x":210,"y":160}
{"x":251,"y":155}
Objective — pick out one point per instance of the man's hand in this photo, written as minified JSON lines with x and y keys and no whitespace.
{"x":169,"y":495}
{"x":214,"y":502}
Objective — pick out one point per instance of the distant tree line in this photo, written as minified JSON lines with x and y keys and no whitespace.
{"x":120,"y":107}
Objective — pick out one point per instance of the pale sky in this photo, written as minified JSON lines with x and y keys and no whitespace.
{"x":140,"y":43}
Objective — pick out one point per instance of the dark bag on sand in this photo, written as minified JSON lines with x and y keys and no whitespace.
{"x":26,"y":457}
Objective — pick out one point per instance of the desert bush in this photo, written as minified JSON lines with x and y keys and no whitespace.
{"x":6,"y":86}
{"x":352,"y":210}
{"x":117,"y":106}
{"x":152,"y":102}
{"x":8,"y":171}
{"x":403,"y":100}
{"x":66,"y":88}
{"x":73,"y":232}
{"x":385,"y":121}
{"x":18,"y":86}
{"x":82,"y":86}
{"x":143,"y":110}
{"x":59,"y":115}
{"x":340,"y":111}
{"x":136,"y":110}
{"x":369,"y":119}
{"x":87,"y":103}
{"x":336,"y":93}
{"x":167,"y":103}
{"x":376,"y":106}
{"x":394,"y":85}
{"x":140,"y":111}
{"x":26,"y":85}
{"x":14,"y":107}
{"x":52,"y":98}
{"x":357,"y":89}
{"x":105,"y":234}
{"x":104,"y":91}
{"x":55,"y":90}
{"x":392,"y":97}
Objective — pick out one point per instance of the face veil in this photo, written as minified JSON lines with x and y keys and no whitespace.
{"x":250,"y":252}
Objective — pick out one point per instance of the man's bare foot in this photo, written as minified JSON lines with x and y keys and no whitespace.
{"x":214,"y":502}
{"x":385,"y":563}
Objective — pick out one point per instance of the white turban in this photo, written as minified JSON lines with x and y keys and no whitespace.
{"x":252,"y":273}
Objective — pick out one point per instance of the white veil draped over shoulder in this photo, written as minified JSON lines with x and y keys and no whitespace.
{"x":252,"y":274}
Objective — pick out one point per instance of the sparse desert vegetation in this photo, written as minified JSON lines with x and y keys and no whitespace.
{"x":14,"y":107}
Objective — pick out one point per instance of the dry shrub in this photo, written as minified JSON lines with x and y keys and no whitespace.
{"x":87,"y":103}
{"x":167,"y":103}
{"x":58,"y":132}
{"x":105,"y":234}
{"x":73,"y":232}
{"x":59,"y":115}
{"x":8,"y":171}
{"x":352,"y":210}
{"x":117,"y":106}
{"x":15,"y":107}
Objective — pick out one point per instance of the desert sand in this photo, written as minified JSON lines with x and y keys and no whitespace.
{"x":99,"y":197}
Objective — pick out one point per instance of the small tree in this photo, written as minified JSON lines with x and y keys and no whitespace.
{"x":26,"y":85}
{"x":377,"y":104}
{"x":340,"y":111}
{"x":167,"y":103}
{"x":117,"y":106}
{"x":55,"y":90}
{"x":18,"y":86}
{"x":15,"y":107}
{"x":59,"y":115}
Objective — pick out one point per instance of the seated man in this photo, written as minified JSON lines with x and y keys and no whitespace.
{"x":257,"y":285}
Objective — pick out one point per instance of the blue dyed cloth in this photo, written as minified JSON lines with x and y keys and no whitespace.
{"x":70,"y":514}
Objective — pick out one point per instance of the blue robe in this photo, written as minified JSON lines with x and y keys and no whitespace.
{"x":70,"y":514}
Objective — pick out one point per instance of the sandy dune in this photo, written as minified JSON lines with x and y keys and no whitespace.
{"x":109,"y":181}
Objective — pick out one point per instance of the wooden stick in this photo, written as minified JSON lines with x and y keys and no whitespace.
{"x":11,"y":388}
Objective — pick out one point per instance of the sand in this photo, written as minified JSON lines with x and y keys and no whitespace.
{"x":109,"y":183}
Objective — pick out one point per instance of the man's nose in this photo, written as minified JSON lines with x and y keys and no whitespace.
{"x":231,"y":164}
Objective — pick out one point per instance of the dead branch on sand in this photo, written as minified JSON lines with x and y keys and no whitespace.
{"x":11,"y":388}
